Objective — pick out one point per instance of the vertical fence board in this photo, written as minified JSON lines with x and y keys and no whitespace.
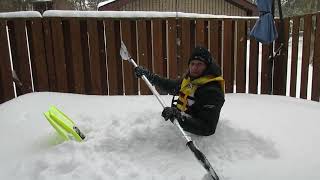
{"x":286,"y":34}
{"x":96,"y":83}
{"x":114,"y":61}
{"x":98,"y":67}
{"x":158,"y":46}
{"x":241,"y":55}
{"x":253,"y":63}
{"x":165,"y":48}
{"x":49,"y":54}
{"x":149,"y":47}
{"x":316,"y":63}
{"x":305,"y":55}
{"x":85,"y":55}
{"x":228,"y":56}
{"x":281,"y":63}
{"x":20,"y":56}
{"x":294,"y":56}
{"x":102,"y":54}
{"x":76,"y":59}
{"x":129,"y":38}
{"x":200,"y":33}
{"x":144,"y":56}
{"x":264,"y":69}
{"x":206,"y":34}
{"x":38,"y":56}
{"x":172,"y":48}
{"x":6,"y":81}
{"x":185,"y":44}
{"x":68,"y":54}
{"x":160,"y":51}
{"x":215,"y":40}
{"x":179,"y":57}
{"x":192,"y":33}
{"x":59,"y":55}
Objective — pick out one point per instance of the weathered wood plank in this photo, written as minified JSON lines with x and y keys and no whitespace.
{"x":20,"y":57}
{"x":281,"y":64}
{"x":185,"y":48}
{"x":228,"y":55}
{"x":315,"y":94}
{"x":264,"y":69}
{"x":38,"y":56}
{"x":200,"y":33}
{"x":145,"y":59}
{"x":49,"y":54}
{"x":112,"y":28}
{"x":305,"y":56}
{"x":77,"y":57}
{"x":172,"y":49}
{"x":294,"y":56}
{"x":253,"y":63}
{"x":241,"y":56}
{"x":215,"y":40}
{"x":6,"y":81}
{"x":59,"y":55}
{"x":128,"y":30}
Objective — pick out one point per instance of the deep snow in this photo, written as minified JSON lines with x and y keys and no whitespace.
{"x":258,"y":137}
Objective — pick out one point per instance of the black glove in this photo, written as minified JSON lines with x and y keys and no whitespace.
{"x":171,"y":113}
{"x":140,"y":71}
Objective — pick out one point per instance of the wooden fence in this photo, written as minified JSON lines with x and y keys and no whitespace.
{"x":80,"y":53}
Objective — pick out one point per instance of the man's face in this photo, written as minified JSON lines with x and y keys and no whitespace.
{"x":196,"y":68}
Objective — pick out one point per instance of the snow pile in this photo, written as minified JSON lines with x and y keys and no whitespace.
{"x":258,"y":137}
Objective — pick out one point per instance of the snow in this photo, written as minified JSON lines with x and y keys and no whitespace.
{"x":41,"y":1}
{"x":105,"y":3}
{"x":21,"y":14}
{"x":258,"y":137}
{"x":136,"y":14}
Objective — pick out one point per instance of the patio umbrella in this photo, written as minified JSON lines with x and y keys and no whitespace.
{"x":264,"y":30}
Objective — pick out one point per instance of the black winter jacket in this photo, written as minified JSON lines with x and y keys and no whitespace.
{"x":205,"y":112}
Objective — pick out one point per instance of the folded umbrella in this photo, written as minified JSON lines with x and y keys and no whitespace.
{"x":265,"y":30}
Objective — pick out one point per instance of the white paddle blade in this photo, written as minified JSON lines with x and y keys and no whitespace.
{"x":124,"y":52}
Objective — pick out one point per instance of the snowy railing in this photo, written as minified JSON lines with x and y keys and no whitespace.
{"x":78,"y":52}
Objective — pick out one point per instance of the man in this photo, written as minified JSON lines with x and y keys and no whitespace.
{"x":200,"y":93}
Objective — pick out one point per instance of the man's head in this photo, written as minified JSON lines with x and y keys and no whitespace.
{"x":199,"y":61}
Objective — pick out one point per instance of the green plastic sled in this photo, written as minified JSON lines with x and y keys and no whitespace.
{"x":65,"y":127}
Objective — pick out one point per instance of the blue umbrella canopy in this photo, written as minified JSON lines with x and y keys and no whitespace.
{"x":265,"y":30}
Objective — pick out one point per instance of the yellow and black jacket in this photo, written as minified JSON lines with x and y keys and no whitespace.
{"x":200,"y":100}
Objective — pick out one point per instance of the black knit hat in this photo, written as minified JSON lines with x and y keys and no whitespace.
{"x":201,"y":54}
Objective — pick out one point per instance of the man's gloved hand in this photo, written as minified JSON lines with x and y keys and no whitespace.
{"x":140,"y":71}
{"x":171,"y":113}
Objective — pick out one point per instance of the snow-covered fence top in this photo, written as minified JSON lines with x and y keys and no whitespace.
{"x":136,"y":14}
{"x":21,"y":14}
